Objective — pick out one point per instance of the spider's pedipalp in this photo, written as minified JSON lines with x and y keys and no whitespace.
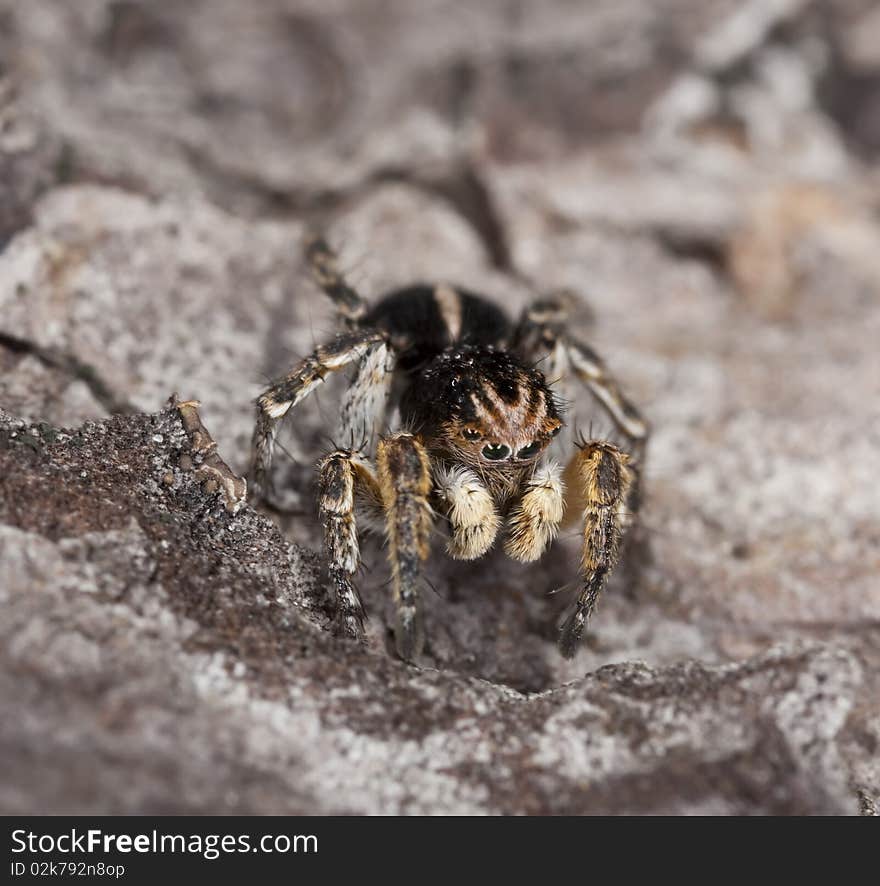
{"x":600,"y":477}
{"x":275,"y":402}
{"x":404,"y":474}
{"x":471,"y":511}
{"x":534,"y":522}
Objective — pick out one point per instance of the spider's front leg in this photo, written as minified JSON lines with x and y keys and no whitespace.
{"x":344,"y":476}
{"x":275,"y":402}
{"x":404,"y":474}
{"x":601,"y":478}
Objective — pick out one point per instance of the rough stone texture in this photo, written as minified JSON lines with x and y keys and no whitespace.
{"x":29,"y":160}
{"x":700,"y":172}
{"x":129,"y":288}
{"x":148,"y":635}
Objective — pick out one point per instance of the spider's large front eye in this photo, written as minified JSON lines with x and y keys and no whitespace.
{"x":528,"y":451}
{"x":496,"y":451}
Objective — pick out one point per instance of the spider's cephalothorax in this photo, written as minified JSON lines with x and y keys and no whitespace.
{"x":480,"y":407}
{"x":478,"y":420}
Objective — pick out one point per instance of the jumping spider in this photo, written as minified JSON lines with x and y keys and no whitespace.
{"x":479,"y":418}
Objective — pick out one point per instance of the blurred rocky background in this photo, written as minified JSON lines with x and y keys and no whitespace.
{"x":703,"y":172}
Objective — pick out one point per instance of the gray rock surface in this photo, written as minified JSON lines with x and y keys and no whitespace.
{"x":709,"y":187}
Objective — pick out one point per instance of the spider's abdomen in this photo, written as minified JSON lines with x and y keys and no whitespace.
{"x":422,"y":321}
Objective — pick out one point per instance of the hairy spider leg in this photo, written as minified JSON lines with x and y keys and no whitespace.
{"x":345,"y":478}
{"x":602,"y":481}
{"x":602,"y":477}
{"x":541,"y":335}
{"x":324,"y":265}
{"x":276,"y":401}
{"x":364,"y":407}
{"x":404,"y":473}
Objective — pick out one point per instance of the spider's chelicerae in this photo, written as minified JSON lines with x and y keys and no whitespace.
{"x":477,"y":419}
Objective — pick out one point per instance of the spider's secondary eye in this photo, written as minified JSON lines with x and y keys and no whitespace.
{"x":471,"y":434}
{"x":496,"y":451}
{"x":528,"y":451}
{"x":555,"y":430}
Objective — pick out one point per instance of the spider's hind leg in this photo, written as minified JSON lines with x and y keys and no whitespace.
{"x":324,"y":265}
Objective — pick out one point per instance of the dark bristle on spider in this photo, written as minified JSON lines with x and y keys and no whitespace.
{"x":474,"y":397}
